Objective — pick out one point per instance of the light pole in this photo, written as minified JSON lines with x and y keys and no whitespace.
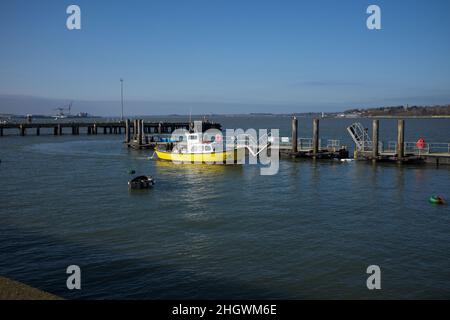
{"x":121,"y":94}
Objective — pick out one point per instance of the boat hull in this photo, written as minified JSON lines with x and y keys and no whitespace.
{"x":225,"y":157}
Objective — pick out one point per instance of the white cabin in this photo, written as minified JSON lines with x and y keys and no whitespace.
{"x":195,"y":144}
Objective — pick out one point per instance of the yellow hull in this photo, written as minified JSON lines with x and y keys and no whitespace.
{"x":229,"y":156}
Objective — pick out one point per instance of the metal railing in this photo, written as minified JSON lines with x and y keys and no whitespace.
{"x":306,"y":144}
{"x":411,"y":148}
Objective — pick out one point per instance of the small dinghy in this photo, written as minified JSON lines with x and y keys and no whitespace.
{"x":141,"y":182}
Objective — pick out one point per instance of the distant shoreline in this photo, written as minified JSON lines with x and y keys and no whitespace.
{"x":194,"y":117}
{"x":324,"y":115}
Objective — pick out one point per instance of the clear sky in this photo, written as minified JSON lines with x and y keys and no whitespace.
{"x":260,"y":56}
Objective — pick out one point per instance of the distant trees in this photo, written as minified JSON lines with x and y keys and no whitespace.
{"x":439,"y":110}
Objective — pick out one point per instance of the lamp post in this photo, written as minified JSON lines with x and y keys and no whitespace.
{"x":121,"y":94}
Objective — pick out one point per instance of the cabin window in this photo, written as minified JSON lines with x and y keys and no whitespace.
{"x":193,"y":137}
{"x":207,"y":148}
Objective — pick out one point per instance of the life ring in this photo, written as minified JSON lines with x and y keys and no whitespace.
{"x":436,"y":200}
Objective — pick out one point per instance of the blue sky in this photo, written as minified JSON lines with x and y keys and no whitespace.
{"x":260,"y":56}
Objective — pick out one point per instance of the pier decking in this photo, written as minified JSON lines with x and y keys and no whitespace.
{"x":93,"y":128}
{"x":311,"y":147}
{"x":397,"y":151}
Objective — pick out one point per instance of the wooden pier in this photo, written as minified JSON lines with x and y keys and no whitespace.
{"x":399,"y":151}
{"x":311,"y":147}
{"x":140,"y":135}
{"x":101,"y":127}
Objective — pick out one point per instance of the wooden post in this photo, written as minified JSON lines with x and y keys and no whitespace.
{"x":400,"y":139}
{"x":375,"y":136}
{"x":1,"y":132}
{"x":140,"y":133}
{"x":315,"y":138}
{"x":55,"y":130}
{"x":127,"y":131}
{"x":22,"y":130}
{"x":294,"y":136}
{"x":60,"y":129}
{"x":38,"y":130}
{"x":95,"y":128}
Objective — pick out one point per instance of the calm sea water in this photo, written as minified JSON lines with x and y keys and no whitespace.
{"x":223,"y":231}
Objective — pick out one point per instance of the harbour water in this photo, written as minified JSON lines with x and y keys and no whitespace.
{"x":215,"y":232}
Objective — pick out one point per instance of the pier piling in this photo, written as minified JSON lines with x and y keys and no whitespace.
{"x":375,"y":139}
{"x":294,"y":135}
{"x":22,"y":130}
{"x":400,"y":139}
{"x":315,"y":138}
{"x":127,"y":131}
{"x":135,"y":130}
{"x":140,"y":132}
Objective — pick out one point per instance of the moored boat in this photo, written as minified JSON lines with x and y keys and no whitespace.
{"x":141,"y":182}
{"x":194,"y":150}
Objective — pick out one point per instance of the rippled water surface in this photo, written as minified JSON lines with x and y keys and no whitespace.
{"x":220,"y":231}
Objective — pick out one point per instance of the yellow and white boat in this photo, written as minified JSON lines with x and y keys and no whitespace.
{"x":194,"y":150}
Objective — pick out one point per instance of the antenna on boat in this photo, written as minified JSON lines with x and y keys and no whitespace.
{"x":190,"y":118}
